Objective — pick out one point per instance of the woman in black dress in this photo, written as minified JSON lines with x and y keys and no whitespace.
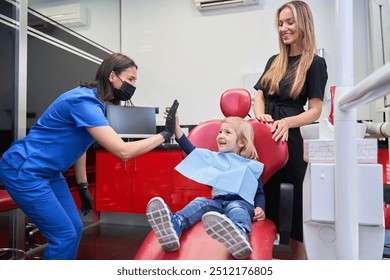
{"x":291,"y":79}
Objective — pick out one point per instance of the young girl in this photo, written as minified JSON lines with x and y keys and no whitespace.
{"x":233,"y":211}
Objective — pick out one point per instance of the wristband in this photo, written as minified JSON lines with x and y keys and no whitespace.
{"x":82,"y":186}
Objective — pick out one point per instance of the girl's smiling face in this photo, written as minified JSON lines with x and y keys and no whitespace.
{"x":227,"y":139}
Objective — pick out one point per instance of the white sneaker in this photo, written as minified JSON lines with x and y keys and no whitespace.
{"x":159,"y":218}
{"x":221,"y":228}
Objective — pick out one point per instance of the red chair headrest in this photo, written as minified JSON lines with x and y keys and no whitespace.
{"x":235,"y":102}
{"x":205,"y":134}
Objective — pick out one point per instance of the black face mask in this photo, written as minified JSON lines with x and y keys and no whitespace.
{"x":126,"y":92}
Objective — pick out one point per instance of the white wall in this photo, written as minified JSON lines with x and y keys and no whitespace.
{"x":193,"y":56}
{"x":103,"y":20}
{"x":380,"y":42}
{"x":380,"y":9}
{"x":362,"y":54}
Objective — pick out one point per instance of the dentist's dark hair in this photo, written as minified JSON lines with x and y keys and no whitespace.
{"x":116,"y":62}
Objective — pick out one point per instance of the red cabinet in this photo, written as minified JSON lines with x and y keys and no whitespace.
{"x":128,"y":187}
{"x":151,"y":176}
{"x":113,"y":183}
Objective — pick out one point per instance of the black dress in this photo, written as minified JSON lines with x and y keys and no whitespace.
{"x":279,"y":106}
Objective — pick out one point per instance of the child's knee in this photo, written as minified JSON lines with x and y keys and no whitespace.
{"x":202,"y":200}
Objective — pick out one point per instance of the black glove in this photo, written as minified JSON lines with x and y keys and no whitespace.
{"x":85,"y":198}
{"x":170,"y":122}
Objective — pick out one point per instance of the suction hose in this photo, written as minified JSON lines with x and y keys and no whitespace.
{"x":378,"y":130}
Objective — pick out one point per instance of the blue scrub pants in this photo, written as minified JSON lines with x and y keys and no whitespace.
{"x":235,"y":208}
{"x":49,"y":204}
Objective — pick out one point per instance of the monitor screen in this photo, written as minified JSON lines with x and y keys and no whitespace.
{"x":132,"y":121}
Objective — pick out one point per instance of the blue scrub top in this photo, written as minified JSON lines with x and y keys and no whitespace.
{"x":59,"y":138}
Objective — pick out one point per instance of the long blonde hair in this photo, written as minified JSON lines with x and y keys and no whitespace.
{"x":245,"y":134}
{"x":304,"y":19}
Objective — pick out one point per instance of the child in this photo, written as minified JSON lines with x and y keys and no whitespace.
{"x":226,"y":209}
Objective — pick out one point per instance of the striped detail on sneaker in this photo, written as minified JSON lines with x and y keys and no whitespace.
{"x":159,"y":218}
{"x":221,"y":228}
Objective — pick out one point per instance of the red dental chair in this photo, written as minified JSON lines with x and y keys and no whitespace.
{"x":195,"y":243}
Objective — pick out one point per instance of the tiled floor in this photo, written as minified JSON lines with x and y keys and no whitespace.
{"x":103,"y":241}
{"x":115,"y":241}
{"x":111,"y":242}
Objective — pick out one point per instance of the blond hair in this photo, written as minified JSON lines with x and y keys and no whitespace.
{"x":245,"y":134}
{"x":304,"y":20}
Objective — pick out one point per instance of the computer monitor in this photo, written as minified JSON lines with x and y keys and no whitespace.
{"x":132,"y":122}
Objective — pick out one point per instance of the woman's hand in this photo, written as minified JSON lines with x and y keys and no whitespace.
{"x":167,"y":109}
{"x":264,"y":118}
{"x":178,"y":130}
{"x":258,"y":215}
{"x":280,"y":130}
{"x":170,"y":123}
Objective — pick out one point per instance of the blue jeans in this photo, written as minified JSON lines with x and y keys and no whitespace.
{"x":49,"y":204}
{"x":234,"y":207}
